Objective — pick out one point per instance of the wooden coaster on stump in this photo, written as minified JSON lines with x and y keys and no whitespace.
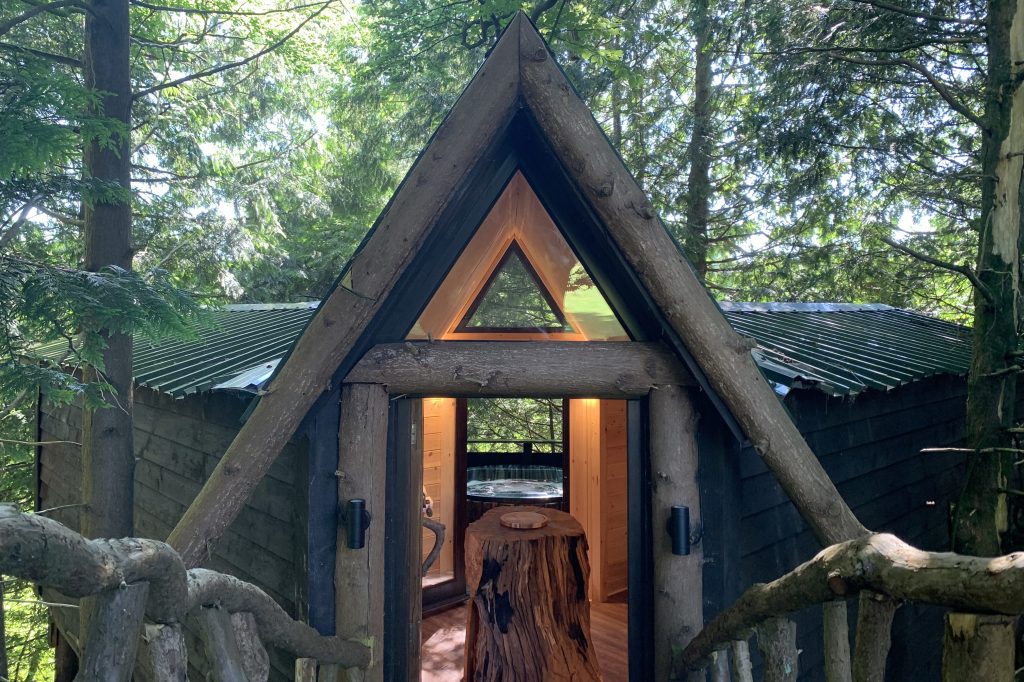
{"x":524,"y":520}
{"x":528,"y":615}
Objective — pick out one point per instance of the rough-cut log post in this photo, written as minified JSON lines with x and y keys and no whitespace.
{"x":719,"y":667}
{"x":678,"y":602}
{"x":275,"y":626}
{"x":529,"y":615}
{"x":495,"y":368}
{"x":162,"y":654}
{"x":487,"y":104}
{"x":985,"y":647}
{"x":255,"y":659}
{"x":362,"y":460}
{"x":113,"y":636}
{"x":221,"y":648}
{"x":305,"y":670}
{"x":776,"y":640}
{"x":739,"y":657}
{"x":328,"y":673}
{"x":874,"y":636}
{"x":881,"y":563}
{"x":836,"y":631}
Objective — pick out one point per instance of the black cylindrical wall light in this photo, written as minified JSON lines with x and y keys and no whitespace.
{"x":678,"y":528}
{"x":357,"y":520}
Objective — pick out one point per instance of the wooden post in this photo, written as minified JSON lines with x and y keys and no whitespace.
{"x":219,"y":641}
{"x":776,"y":640}
{"x":255,"y":660}
{"x":678,"y":592}
{"x":874,"y":626}
{"x":739,"y":654}
{"x":162,"y":654}
{"x":359,"y":574}
{"x":836,"y":630}
{"x":115,"y":627}
{"x":719,"y":667}
{"x":305,"y":670}
{"x":984,"y":647}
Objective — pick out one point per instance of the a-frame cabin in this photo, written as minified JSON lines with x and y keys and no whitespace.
{"x":520,"y":260}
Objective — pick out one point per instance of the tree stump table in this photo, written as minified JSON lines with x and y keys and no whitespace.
{"x":528,"y":614}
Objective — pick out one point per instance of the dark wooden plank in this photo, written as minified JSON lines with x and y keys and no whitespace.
{"x":322,"y":515}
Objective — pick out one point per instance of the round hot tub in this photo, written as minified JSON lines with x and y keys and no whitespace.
{"x":499,"y":486}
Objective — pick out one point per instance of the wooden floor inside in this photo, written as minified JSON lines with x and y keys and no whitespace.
{"x":444,"y":637}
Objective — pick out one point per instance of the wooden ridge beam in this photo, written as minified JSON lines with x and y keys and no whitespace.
{"x":521,"y":368}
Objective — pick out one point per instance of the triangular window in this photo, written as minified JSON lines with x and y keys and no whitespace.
{"x":514,"y":300}
{"x":518,"y":278}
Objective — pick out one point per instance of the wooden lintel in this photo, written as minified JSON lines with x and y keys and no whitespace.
{"x":536,"y":369}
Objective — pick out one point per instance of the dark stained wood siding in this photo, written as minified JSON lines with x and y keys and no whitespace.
{"x":870,"y":446}
{"x":178,"y":443}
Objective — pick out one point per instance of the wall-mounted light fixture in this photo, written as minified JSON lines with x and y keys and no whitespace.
{"x":678,"y":528}
{"x":357,"y":520}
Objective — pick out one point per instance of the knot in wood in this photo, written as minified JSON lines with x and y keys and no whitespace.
{"x":836,"y":583}
{"x":539,"y":55}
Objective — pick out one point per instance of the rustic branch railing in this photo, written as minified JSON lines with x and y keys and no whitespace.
{"x":132,"y":576}
{"x":878,"y":563}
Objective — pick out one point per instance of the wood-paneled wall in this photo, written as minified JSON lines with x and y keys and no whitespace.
{"x":439,"y":475}
{"x":597,"y":489}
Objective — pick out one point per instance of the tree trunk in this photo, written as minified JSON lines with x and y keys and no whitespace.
{"x":776,"y":640}
{"x":874,"y":636}
{"x":108,"y":459}
{"x":984,"y":648}
{"x":3,"y":634}
{"x":698,"y":194}
{"x":529,"y":615}
{"x":980,"y":517}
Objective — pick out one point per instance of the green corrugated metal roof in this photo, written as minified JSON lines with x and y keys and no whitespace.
{"x":847,"y":348}
{"x":841,"y":349}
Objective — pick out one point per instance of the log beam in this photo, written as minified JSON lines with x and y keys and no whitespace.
{"x":521,"y":368}
{"x":836,"y":630}
{"x":723,"y":355}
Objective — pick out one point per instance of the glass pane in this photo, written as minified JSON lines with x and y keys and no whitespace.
{"x":514,"y":300}
{"x":543,"y":293}
{"x":507,"y":424}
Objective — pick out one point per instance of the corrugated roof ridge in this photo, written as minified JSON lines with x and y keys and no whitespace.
{"x":799,"y":307}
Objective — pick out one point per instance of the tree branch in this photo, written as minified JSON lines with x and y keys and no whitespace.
{"x":224,"y":12}
{"x":878,"y":4}
{"x":241,"y":62}
{"x":40,"y":9}
{"x":59,"y":58}
{"x":952,"y":267}
{"x":933,"y":80}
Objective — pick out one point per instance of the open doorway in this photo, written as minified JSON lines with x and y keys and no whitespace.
{"x":569,"y":454}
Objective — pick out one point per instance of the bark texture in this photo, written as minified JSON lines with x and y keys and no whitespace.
{"x":112,"y":639}
{"x":776,"y":640}
{"x":985,"y":647}
{"x":494,"y":368}
{"x":529,"y":615}
{"x":698,"y":153}
{"x":980,"y":517}
{"x":874,"y":639}
{"x":881,"y":563}
{"x":208,"y":588}
{"x":162,"y":654}
{"x":359,"y":573}
{"x":42,"y":550}
{"x":678,"y":580}
{"x":108,"y":459}
{"x":836,"y":631}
